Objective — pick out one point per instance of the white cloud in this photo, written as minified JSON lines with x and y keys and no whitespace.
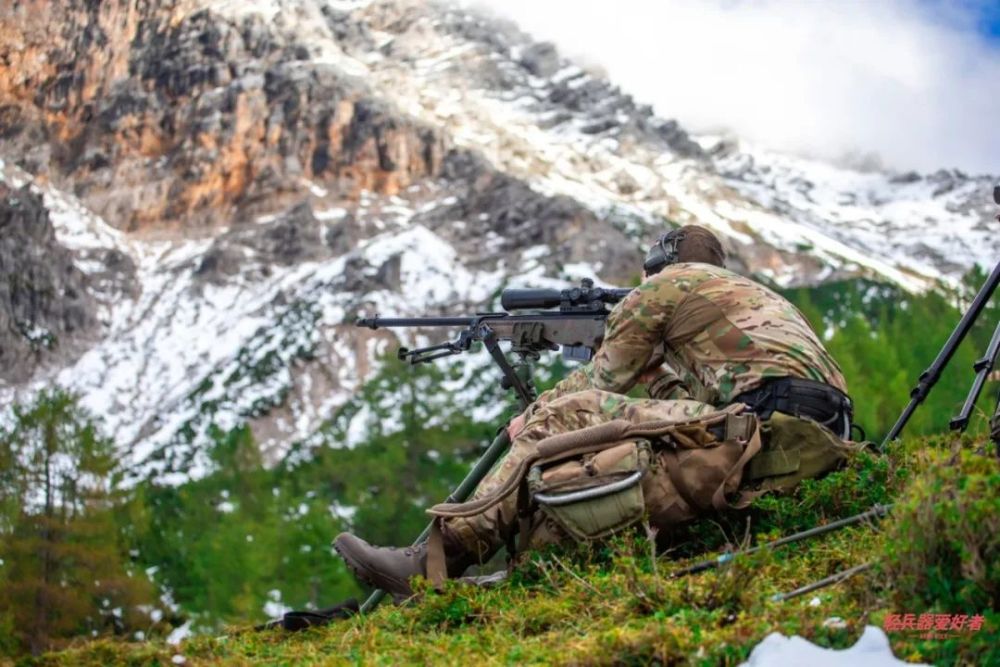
{"x":910,"y":80}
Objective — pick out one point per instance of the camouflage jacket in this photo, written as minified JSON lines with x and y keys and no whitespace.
{"x":720,"y":334}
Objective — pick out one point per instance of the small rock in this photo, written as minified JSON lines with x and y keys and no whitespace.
{"x":541,"y":59}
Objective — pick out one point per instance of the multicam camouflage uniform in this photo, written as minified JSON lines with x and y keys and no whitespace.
{"x":720,"y":334}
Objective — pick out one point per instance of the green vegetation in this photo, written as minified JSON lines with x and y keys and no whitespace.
{"x":617,"y":604}
{"x":244,"y":535}
{"x":884,"y":338}
{"x":64,"y":570}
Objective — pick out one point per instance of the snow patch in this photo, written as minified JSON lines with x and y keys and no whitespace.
{"x":777,"y":650}
{"x":274,"y":608}
{"x":180,"y":633}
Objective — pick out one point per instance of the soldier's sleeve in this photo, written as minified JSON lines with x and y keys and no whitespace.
{"x":668,"y":386}
{"x":578,"y":380}
{"x":634,"y":329}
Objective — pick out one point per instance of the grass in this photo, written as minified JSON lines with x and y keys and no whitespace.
{"x":616,"y":604}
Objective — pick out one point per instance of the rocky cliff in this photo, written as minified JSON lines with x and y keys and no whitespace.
{"x":209,"y":189}
{"x":44,"y":297}
{"x":157,"y":115}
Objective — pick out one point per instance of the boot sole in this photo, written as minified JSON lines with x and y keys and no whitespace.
{"x":361,"y":573}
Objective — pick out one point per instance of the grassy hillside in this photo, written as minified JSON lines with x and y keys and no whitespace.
{"x":937,"y":553}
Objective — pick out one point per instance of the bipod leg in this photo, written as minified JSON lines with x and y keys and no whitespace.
{"x":823,"y":583}
{"x":933,"y":373}
{"x":982,"y":367}
{"x":876,"y":512}
{"x":460,"y":494}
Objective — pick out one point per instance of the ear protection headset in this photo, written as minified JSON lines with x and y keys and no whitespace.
{"x":663,"y":252}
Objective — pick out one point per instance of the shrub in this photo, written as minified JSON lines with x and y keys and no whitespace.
{"x":943,"y":540}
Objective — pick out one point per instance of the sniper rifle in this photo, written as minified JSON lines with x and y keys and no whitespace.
{"x":571,"y":319}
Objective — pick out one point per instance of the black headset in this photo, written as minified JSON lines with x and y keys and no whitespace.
{"x":663,"y":252}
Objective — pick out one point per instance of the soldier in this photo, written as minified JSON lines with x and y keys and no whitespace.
{"x":724,"y":360}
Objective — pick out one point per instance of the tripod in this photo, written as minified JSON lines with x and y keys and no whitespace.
{"x":982,"y":367}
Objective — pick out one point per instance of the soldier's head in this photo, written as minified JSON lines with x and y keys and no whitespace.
{"x":690,"y":243}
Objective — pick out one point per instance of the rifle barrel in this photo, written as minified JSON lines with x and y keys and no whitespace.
{"x":467,"y":320}
{"x":386,"y":322}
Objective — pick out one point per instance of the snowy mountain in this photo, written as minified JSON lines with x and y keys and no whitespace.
{"x":203,"y":194}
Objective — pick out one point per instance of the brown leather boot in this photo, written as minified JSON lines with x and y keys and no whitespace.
{"x":391,"y":568}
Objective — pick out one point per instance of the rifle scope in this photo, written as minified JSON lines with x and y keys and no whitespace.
{"x":585,"y":297}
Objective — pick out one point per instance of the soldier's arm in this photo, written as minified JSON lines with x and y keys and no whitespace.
{"x":668,"y":386}
{"x":634,"y":330}
{"x":674,"y":381}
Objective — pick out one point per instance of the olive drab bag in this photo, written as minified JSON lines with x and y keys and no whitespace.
{"x":795,"y":448}
{"x":594,"y":495}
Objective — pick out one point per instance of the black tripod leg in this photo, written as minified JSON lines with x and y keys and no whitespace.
{"x":995,"y":428}
{"x":982,"y":367}
{"x":933,"y":373}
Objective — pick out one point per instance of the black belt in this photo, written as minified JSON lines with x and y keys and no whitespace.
{"x":802,"y":398}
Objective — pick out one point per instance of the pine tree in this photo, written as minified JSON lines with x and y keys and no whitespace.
{"x":63,"y":568}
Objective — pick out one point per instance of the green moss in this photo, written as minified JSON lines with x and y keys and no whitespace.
{"x":617,"y":604}
{"x":943,"y":551}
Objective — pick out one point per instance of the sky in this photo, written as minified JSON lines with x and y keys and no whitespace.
{"x":914,"y":82}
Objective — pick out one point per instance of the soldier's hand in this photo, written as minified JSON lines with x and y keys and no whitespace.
{"x":653,"y":370}
{"x":650,"y":375}
{"x":515,"y":426}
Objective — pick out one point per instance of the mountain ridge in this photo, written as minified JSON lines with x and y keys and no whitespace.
{"x":237,"y":182}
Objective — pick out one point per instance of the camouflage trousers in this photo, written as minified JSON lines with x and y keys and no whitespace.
{"x":483,"y":534}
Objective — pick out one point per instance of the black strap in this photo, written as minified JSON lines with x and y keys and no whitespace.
{"x":802,"y":398}
{"x":295,"y":621}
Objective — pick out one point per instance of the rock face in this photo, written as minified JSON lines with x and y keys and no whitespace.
{"x":197,"y":196}
{"x":491,"y":203}
{"x":158,"y":116}
{"x":46,"y":311}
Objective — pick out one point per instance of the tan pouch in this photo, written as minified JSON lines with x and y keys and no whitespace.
{"x":683,"y":484}
{"x":596,"y":495}
{"x":794,"y":449}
